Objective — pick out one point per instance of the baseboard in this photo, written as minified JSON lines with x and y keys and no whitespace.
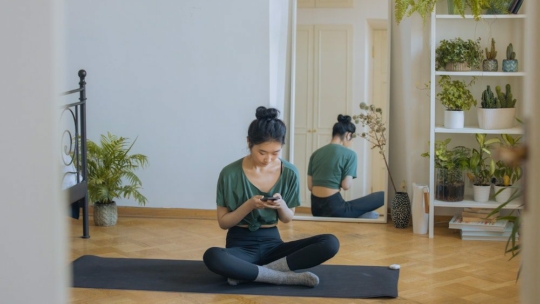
{"x":181,"y":213}
{"x":173,"y":213}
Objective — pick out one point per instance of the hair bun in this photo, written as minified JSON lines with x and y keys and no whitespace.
{"x":266,"y":113}
{"x":344,"y":118}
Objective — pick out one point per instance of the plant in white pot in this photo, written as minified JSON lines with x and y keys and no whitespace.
{"x":497,"y":112}
{"x":111,"y":175}
{"x":506,"y":174}
{"x":482,"y":167}
{"x":456,"y":97}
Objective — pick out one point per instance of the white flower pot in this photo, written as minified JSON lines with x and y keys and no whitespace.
{"x":454,"y":119}
{"x":481,"y":193}
{"x":493,"y":119}
{"x":504,"y":195}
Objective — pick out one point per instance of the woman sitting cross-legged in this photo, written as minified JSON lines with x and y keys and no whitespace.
{"x":254,"y":249}
{"x":333,"y":167}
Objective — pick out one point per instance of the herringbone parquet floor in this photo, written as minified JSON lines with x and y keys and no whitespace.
{"x":440,"y":270}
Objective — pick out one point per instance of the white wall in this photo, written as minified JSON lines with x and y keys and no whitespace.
{"x":183,"y":76}
{"x":33,"y":257}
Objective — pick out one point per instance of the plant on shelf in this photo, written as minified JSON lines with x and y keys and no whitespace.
{"x":456,"y":97}
{"x":497,"y":112}
{"x":111,"y":175}
{"x":490,"y":64}
{"x":372,"y":118}
{"x":482,"y":167}
{"x":497,"y":7}
{"x":458,"y":54}
{"x":449,"y":167}
{"x":510,"y":64}
{"x":506,"y":174}
{"x":405,"y":8}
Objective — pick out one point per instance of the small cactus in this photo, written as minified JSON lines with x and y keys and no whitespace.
{"x":492,"y":54}
{"x":489,"y":101}
{"x":510,"y":54}
{"x":505,"y":99}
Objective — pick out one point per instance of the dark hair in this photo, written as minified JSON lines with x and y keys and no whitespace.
{"x":267,"y":127}
{"x":343,"y":126}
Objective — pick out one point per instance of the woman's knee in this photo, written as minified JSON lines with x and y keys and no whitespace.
{"x":331,"y":244}
{"x":211,"y":257}
{"x":378,"y":197}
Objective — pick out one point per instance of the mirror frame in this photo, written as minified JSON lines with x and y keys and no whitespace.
{"x":292,"y":79}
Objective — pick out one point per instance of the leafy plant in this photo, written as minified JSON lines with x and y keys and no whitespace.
{"x":506,"y":99}
{"x":498,"y":6}
{"x":455,"y":95}
{"x":481,"y":166}
{"x":491,"y":54}
{"x":506,"y":173}
{"x":372,"y":117}
{"x":458,"y":50}
{"x":111,"y":170}
{"x":450,"y":159}
{"x":405,"y":8}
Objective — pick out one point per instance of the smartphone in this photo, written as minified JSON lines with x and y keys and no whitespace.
{"x":269,"y":198}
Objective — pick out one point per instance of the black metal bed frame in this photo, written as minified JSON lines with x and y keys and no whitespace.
{"x":76,"y":150}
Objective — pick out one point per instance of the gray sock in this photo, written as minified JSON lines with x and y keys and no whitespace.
{"x":279,"y":265}
{"x":271,"y":276}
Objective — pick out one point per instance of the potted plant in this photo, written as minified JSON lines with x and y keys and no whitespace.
{"x":490,"y":64}
{"x":506,"y":174}
{"x":482,"y":167}
{"x":456,"y":98}
{"x":458,"y":54}
{"x":405,"y":8}
{"x":449,"y":167}
{"x":497,"y":112}
{"x":111,"y":175}
{"x":497,"y":7}
{"x":372,"y":118}
{"x":510,"y":64}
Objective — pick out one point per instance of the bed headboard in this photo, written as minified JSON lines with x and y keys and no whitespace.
{"x":73,"y":152}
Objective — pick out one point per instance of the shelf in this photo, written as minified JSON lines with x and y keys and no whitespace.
{"x":476,"y":129}
{"x":505,"y":16}
{"x":470,"y":203}
{"x":480,"y":73}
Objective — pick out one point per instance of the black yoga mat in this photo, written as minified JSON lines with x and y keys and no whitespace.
{"x":336,"y":281}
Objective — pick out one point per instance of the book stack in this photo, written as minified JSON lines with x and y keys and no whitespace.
{"x":478,"y":215}
{"x":514,"y":6}
{"x":482,"y":230}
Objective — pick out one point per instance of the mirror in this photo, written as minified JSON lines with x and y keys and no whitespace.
{"x":341,"y":58}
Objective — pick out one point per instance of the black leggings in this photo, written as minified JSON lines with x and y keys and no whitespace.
{"x":336,"y":206}
{"x":246,"y":249}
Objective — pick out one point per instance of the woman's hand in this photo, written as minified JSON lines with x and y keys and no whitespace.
{"x":257,"y":203}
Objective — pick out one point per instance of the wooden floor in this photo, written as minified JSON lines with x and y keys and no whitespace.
{"x":440,"y":270}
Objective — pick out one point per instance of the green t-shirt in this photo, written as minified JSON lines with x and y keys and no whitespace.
{"x":330,"y":164}
{"x":233,"y":189}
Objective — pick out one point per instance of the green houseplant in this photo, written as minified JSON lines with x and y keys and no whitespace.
{"x":458,"y":54}
{"x":449,"y":166}
{"x":490,"y":64}
{"x":506,"y":174}
{"x":405,"y":8}
{"x":497,"y":111}
{"x":482,"y":167}
{"x":456,"y":97}
{"x":510,"y":64}
{"x":111,"y":175}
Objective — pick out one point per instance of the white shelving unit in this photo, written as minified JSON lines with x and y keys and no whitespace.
{"x":436,"y":127}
